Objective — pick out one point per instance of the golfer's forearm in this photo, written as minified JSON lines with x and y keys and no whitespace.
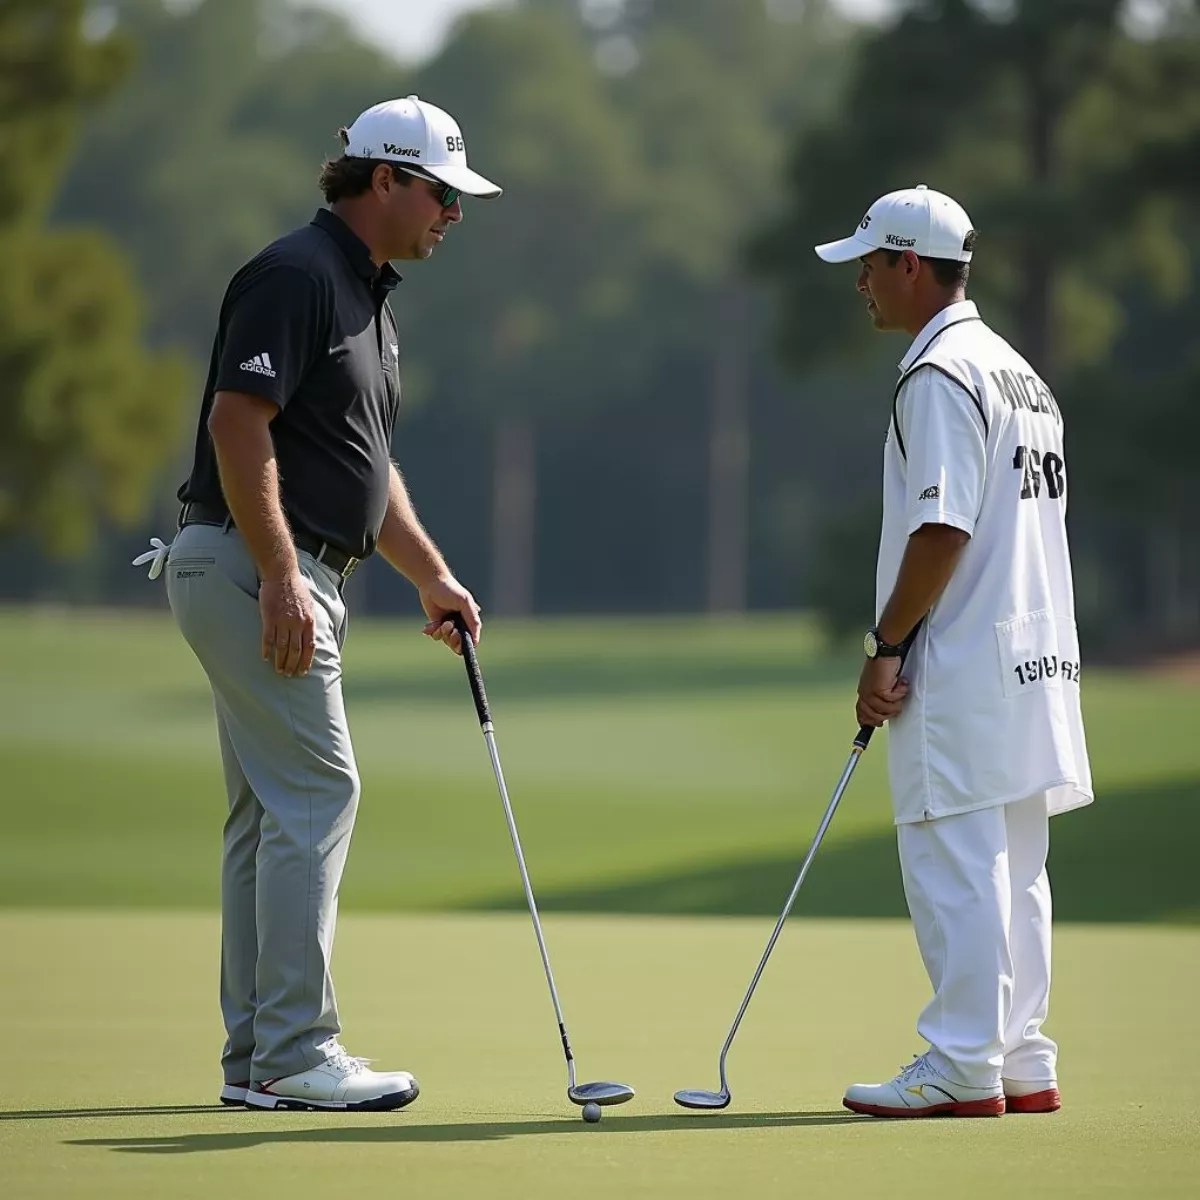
{"x":250,"y":482}
{"x":929,"y":560}
{"x":403,"y":541}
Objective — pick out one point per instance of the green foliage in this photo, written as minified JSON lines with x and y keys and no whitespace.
{"x":48,"y":73}
{"x":1072,"y":144}
{"x":212,"y":147}
{"x":87,"y":413}
{"x":842,"y":581}
{"x":542,"y":275}
{"x":602,"y":317}
{"x":990,"y":106}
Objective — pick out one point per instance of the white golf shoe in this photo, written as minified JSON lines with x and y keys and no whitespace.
{"x":233,"y":1095}
{"x":340,"y":1083}
{"x":921,"y":1091}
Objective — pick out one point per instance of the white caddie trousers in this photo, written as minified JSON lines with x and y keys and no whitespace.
{"x":979,"y":897}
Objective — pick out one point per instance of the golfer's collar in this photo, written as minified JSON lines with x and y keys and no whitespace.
{"x":964,"y":310}
{"x":356,"y":251}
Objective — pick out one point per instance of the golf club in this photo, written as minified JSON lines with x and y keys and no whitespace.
{"x":699,"y":1097}
{"x":577,"y":1093}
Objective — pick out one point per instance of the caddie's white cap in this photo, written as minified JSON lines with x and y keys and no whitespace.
{"x":417,"y":134}
{"x":929,"y":223}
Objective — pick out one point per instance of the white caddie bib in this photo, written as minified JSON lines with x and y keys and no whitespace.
{"x":976,"y":442}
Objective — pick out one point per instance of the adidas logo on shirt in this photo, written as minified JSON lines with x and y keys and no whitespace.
{"x":260,"y":364}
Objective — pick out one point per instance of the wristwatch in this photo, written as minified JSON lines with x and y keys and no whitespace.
{"x":876,"y":647}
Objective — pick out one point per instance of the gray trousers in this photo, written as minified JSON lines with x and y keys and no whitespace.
{"x":293,"y":792}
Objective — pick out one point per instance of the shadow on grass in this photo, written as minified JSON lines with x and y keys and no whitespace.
{"x":135,"y":1110}
{"x":481,"y":1131}
{"x":1128,"y":857}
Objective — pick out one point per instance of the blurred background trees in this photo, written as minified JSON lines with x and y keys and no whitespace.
{"x":1044,"y":116}
{"x":87,"y":413}
{"x":629,"y":385}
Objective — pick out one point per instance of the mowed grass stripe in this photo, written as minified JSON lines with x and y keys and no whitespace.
{"x":660,"y":765}
{"x":120,"y":1036}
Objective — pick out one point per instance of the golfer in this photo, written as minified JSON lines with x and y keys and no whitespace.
{"x":987,"y":736}
{"x":292,"y":487}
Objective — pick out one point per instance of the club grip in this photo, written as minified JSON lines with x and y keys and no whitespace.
{"x":866,"y":732}
{"x":474,"y":675}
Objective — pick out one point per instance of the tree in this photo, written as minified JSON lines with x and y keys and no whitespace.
{"x":711,"y":91}
{"x":516,"y":325}
{"x":1069,"y":142}
{"x":87,"y":413}
{"x":211,"y":149}
{"x":988,"y":92}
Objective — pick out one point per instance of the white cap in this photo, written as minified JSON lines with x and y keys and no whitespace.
{"x":417,"y":134}
{"x":928,"y":223}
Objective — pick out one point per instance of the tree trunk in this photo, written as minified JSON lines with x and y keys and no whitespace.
{"x":729,"y":453}
{"x":1173,"y":608}
{"x":514,"y":516}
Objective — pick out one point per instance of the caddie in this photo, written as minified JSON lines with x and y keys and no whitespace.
{"x":986,"y":733}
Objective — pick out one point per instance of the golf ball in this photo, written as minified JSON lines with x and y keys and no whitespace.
{"x":591,"y":1113}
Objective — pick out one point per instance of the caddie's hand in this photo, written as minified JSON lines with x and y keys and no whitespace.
{"x":287,"y":623}
{"x":440,"y":600}
{"x":881,"y":691}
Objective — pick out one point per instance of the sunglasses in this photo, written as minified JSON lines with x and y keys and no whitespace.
{"x":448,"y":195}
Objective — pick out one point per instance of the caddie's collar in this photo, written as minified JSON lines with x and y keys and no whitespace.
{"x":964,"y":310}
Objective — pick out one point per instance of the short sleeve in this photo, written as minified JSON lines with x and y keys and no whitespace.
{"x":945,"y":442}
{"x":272,"y":333}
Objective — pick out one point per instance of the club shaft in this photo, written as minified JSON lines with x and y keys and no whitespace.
{"x":490,"y":737}
{"x":855,"y":755}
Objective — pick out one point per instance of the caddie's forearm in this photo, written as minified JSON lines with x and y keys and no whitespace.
{"x":250,"y":483}
{"x":403,"y":541}
{"x":929,"y":560}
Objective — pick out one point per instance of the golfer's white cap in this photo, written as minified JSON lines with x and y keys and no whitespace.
{"x":417,"y":134}
{"x":929,"y":223}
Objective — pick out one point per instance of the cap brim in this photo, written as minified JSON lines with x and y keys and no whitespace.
{"x":845,"y":250}
{"x":469,"y":182}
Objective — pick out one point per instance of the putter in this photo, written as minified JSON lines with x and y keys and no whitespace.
{"x":578,"y":1093}
{"x":699,"y":1097}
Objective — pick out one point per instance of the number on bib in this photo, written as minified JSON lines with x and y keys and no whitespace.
{"x":1037,"y":467}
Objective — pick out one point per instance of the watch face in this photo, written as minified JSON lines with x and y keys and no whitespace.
{"x":871,"y":643}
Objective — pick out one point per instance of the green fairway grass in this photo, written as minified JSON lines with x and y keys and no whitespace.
{"x":664,"y":765}
{"x":111,"y":1065}
{"x":657,"y":767}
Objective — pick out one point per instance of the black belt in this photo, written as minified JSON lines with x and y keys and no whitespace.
{"x":337,"y":560}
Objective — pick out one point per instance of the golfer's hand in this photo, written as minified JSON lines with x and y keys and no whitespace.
{"x":287,"y":623}
{"x":441,"y":599}
{"x":881,"y":691}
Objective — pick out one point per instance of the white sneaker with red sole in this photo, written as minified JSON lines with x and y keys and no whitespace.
{"x":922,"y":1091}
{"x":1021,"y":1096}
{"x":341,"y":1083}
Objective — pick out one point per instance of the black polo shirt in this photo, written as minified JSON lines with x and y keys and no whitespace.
{"x":306,"y":324}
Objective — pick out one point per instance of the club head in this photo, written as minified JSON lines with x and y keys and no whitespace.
{"x":600,"y":1093}
{"x":699,"y":1098}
